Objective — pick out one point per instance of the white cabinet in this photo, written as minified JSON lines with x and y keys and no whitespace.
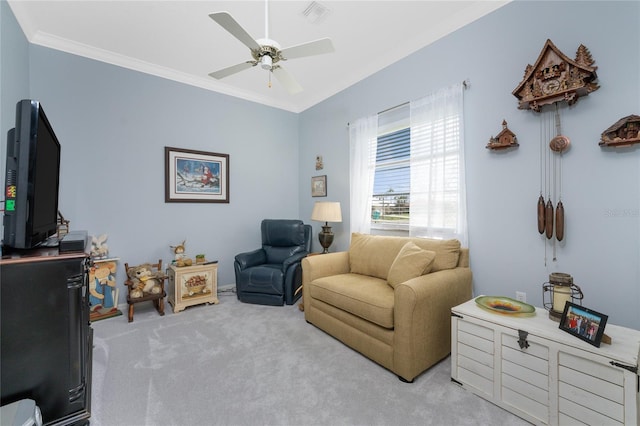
{"x":530,"y":367}
{"x":192,"y":285}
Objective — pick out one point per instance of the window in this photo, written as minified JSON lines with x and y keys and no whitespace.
{"x":436,"y":176}
{"x":390,"y":201}
{"x":418,"y":185}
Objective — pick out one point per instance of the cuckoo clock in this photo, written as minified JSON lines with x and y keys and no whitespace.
{"x":505,"y":139}
{"x":555,"y":78}
{"x":623,"y":132}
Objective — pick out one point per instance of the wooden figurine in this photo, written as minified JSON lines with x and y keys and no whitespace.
{"x":623,"y":132}
{"x":505,"y":139}
{"x":554,"y":78}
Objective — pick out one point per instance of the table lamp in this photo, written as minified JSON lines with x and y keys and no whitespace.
{"x":326,"y":211}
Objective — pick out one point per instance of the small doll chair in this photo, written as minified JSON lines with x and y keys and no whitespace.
{"x":133,"y":287}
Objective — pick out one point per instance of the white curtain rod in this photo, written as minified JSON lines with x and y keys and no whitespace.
{"x":466,"y":84}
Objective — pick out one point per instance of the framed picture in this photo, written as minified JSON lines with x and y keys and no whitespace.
{"x":195,"y":176}
{"x":319,"y":186}
{"x":584,"y":323}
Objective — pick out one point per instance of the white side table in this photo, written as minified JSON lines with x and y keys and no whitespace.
{"x":192,"y":285}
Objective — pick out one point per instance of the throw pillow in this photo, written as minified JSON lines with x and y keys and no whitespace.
{"x":411,"y":262}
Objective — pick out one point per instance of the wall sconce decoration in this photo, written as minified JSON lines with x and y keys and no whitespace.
{"x":326,"y":211}
{"x":505,"y":139}
{"x":319,"y":163}
{"x":555,"y":78}
{"x":557,"y":291}
{"x":623,"y":132}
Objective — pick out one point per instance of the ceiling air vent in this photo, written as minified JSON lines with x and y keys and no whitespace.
{"x":315,"y":12}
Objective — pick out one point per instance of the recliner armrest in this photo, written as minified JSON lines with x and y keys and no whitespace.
{"x":296,"y":258}
{"x":251,"y":258}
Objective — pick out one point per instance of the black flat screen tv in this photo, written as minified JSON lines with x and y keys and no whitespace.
{"x":32,"y":178}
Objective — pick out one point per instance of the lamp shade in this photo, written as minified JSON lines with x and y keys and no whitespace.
{"x":327,"y":211}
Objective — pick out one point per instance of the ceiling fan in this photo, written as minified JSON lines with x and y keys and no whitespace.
{"x":267,"y":52}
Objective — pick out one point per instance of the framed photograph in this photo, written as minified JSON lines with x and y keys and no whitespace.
{"x":319,"y":186}
{"x":195,"y":176}
{"x":584,"y":323}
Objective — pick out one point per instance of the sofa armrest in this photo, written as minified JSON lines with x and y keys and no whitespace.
{"x":422,"y":318}
{"x":251,"y":258}
{"x":463,"y":260}
{"x":324,"y":265}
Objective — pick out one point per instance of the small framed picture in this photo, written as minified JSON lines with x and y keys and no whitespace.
{"x":319,"y":186}
{"x":584,"y":323}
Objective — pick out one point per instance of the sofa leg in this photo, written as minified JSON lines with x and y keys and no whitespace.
{"x":402,"y":379}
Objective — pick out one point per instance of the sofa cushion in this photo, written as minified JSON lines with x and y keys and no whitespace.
{"x":447,"y":252}
{"x":373,"y":254}
{"x":411,"y":262}
{"x":367,"y":297}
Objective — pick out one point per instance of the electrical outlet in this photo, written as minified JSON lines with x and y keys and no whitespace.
{"x":521,"y":296}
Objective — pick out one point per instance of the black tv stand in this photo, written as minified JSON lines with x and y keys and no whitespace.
{"x":47,"y":341}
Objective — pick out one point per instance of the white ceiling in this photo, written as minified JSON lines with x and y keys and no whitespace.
{"x":177,"y":39}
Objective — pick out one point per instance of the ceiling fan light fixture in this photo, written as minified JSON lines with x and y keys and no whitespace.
{"x":266,"y":62}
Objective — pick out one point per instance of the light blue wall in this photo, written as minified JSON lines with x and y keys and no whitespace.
{"x":114,"y":123}
{"x":601,"y":191}
{"x":14,"y":74}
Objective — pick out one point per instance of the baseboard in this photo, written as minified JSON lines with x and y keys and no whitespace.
{"x":226,"y":288}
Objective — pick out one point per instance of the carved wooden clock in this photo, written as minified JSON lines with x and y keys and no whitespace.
{"x":552,"y":79}
{"x":555,"y":78}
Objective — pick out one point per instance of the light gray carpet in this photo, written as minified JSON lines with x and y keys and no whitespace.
{"x":242,"y":364}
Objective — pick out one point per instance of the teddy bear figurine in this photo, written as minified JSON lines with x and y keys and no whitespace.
{"x":144,"y":280}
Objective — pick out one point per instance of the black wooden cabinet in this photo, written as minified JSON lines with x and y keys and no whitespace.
{"x":46,"y":341}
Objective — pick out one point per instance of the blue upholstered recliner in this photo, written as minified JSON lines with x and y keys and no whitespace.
{"x":272,"y":274}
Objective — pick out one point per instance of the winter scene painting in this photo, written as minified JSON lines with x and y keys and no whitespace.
{"x":196,"y":176}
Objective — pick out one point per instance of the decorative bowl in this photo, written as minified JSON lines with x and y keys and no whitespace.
{"x":505,"y":305}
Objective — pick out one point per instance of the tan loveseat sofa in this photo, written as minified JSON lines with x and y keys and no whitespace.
{"x":389,"y":298}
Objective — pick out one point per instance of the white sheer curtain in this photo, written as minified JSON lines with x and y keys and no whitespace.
{"x":363,"y":141}
{"x":438,"y":197}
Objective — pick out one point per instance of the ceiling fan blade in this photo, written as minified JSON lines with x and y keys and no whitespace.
{"x":225,"y":72}
{"x":317,"y":47}
{"x":286,"y":80}
{"x":227,"y":22}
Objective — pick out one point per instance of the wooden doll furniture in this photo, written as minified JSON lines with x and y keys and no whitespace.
{"x":156,"y":298}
